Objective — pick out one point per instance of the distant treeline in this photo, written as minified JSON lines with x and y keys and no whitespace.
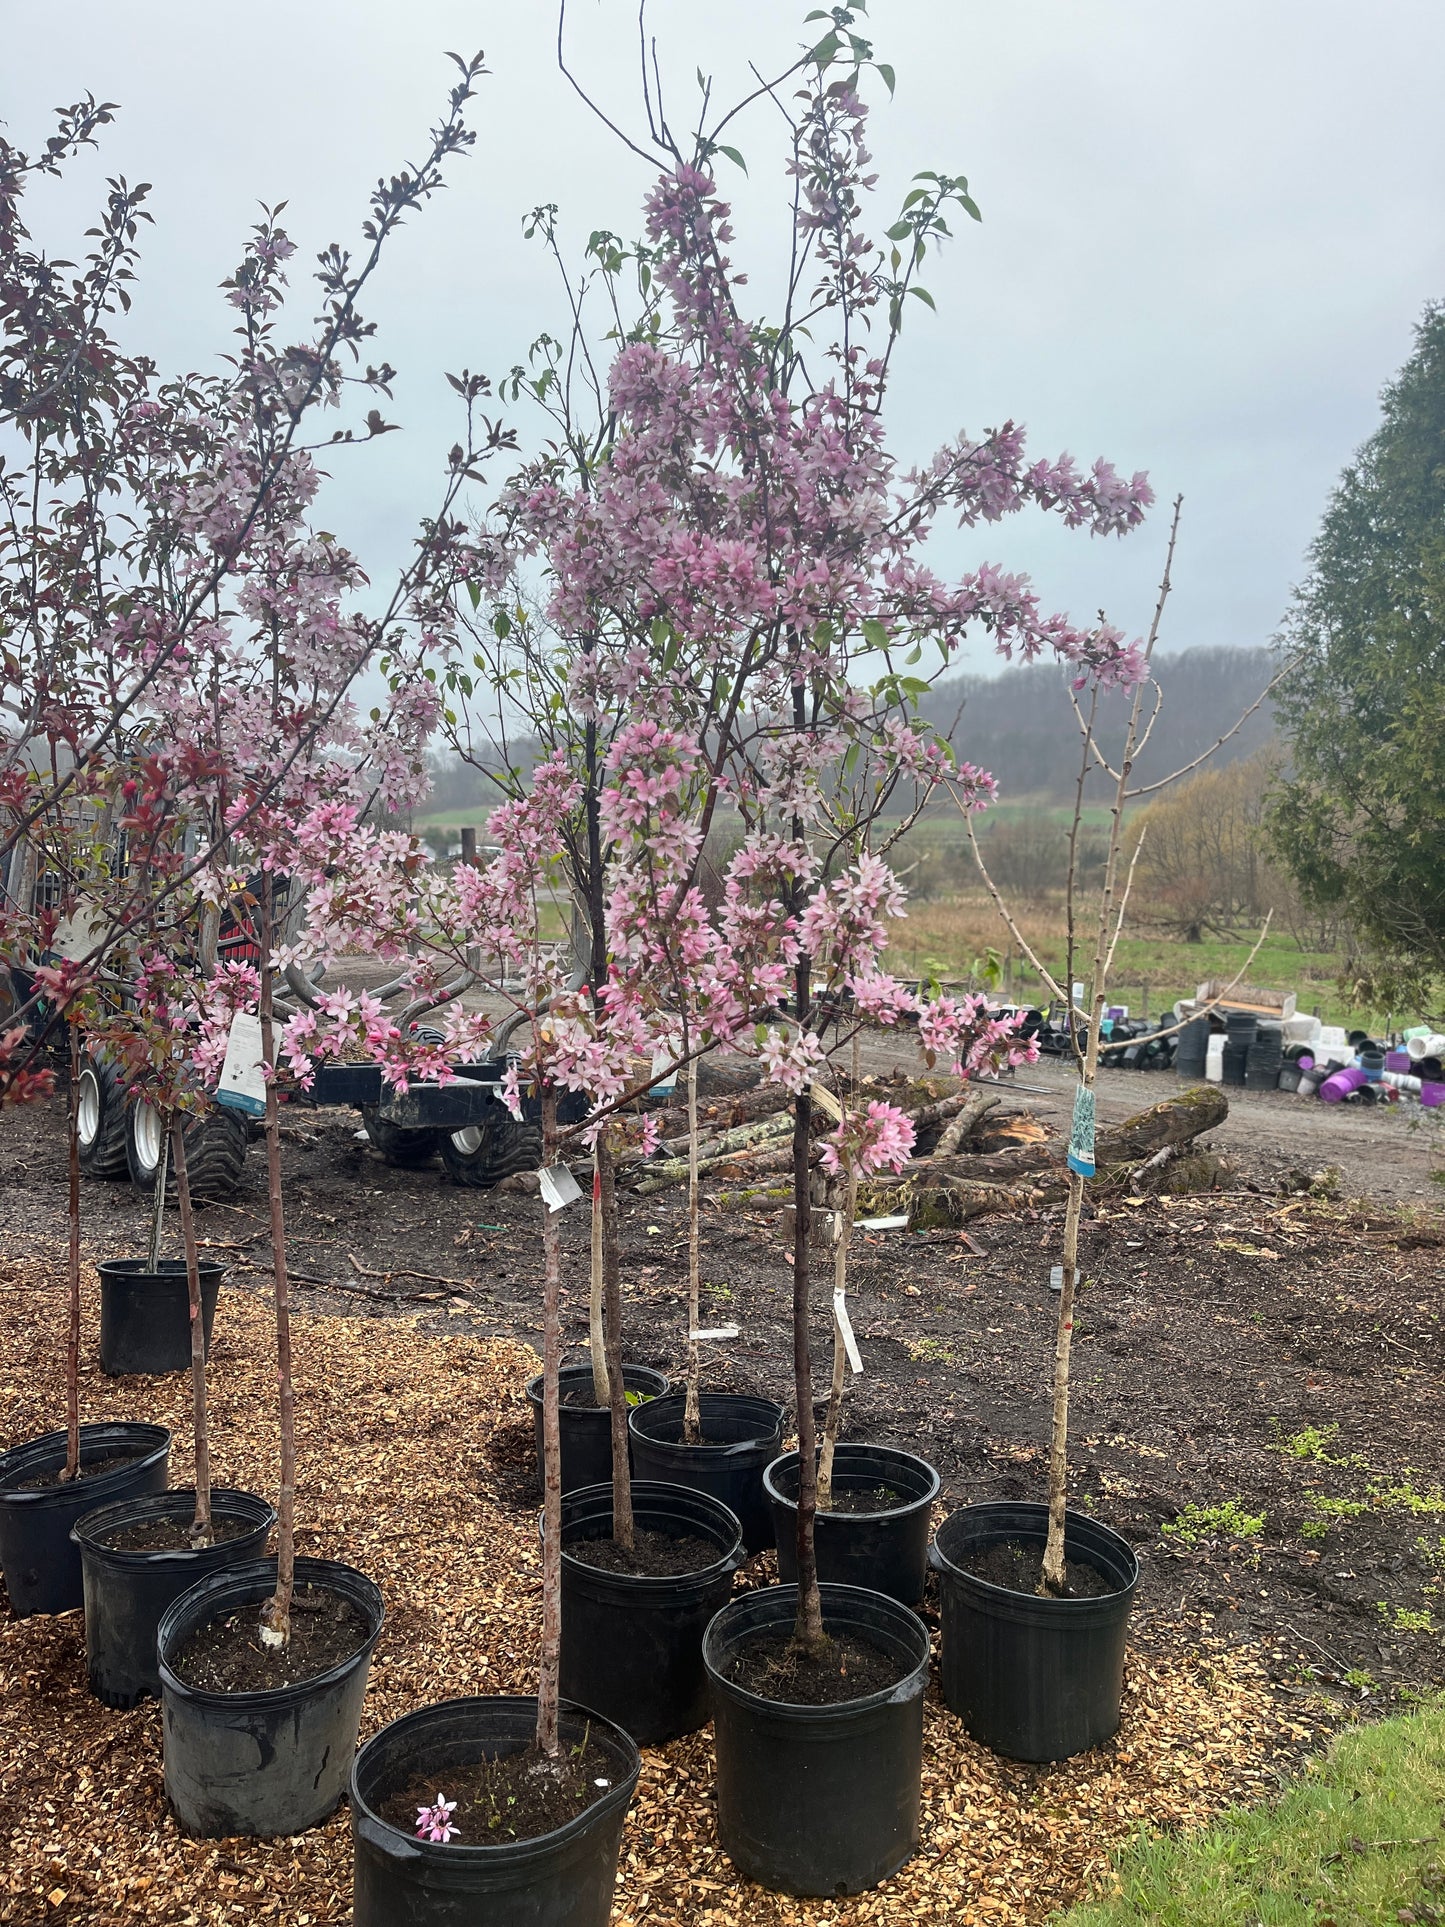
{"x":1020,"y":726}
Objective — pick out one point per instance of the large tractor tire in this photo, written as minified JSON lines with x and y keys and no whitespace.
{"x":101,"y":1120}
{"x":215,"y":1141}
{"x":396,"y":1145}
{"x":483,"y":1154}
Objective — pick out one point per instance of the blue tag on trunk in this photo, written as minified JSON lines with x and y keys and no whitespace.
{"x":1081,"y":1133}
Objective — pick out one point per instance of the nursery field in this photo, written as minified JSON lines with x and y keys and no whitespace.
{"x":1257,"y":1410}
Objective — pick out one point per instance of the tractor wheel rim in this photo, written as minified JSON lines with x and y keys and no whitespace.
{"x":468,"y":1140}
{"x":87,"y":1109}
{"x":148,"y":1136}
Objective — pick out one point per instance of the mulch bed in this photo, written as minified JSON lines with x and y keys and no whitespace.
{"x":409,"y":1470}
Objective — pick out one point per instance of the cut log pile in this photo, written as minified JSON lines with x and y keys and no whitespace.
{"x":972,"y":1156}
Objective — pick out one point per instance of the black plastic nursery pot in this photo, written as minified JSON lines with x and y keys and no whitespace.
{"x":1033,"y":1678}
{"x":127,"y":1590}
{"x":632,"y":1644}
{"x":145,"y":1315}
{"x":261,"y":1763}
{"x":741,"y":1436}
{"x":560,"y":1879}
{"x":885,"y":1550}
{"x":586,"y":1429}
{"x":39,"y":1558}
{"x":818,"y":1799}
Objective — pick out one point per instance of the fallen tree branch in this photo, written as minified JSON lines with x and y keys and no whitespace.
{"x":962,"y":1125}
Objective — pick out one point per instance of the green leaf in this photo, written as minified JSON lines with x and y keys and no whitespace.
{"x":968,"y":205}
{"x":474,"y":590}
{"x":875,"y":633}
{"x":900,"y":230}
{"x":733,"y":155}
{"x":924,"y":295}
{"x":886,"y":75}
{"x":914,"y":654}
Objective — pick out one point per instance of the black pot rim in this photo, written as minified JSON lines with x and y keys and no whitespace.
{"x":913,"y":1682}
{"x":537,"y":1845}
{"x":165,"y":1271}
{"x":41,"y":1453}
{"x":330,"y":1574}
{"x":648,"y":1584}
{"x":226,"y":1502}
{"x":986,"y":1589}
{"x":924,"y":1500}
{"x":737,"y":1447}
{"x":534,"y":1384}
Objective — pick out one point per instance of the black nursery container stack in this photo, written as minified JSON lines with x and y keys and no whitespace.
{"x":1237,"y":1045}
{"x":1264,"y":1058}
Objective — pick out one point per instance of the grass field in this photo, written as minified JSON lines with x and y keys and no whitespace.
{"x":1359,"y":1842}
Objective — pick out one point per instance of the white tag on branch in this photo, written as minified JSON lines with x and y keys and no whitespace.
{"x":664,"y":1072}
{"x":845,"y":1328}
{"x":719,"y":1331}
{"x":559,"y":1187}
{"x":243,"y":1086}
{"x":78,"y":934}
{"x":826,"y":1102}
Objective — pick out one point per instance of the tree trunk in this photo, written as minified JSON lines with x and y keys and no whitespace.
{"x":840,"y":1354}
{"x":808,"y":1627}
{"x":623,"y":1530}
{"x":158,"y":1201}
{"x":201,"y":1534}
{"x":692,"y":1415}
{"x":1053,"y":1568}
{"x":72,"y":1338}
{"x":548,"y":1672}
{"x":275,"y":1625}
{"x":596,"y":1338}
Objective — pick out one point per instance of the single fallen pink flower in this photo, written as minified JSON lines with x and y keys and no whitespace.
{"x":435,"y":1823}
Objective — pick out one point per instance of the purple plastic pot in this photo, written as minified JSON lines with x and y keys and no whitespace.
{"x":1397,"y":1060}
{"x":1432,"y":1095}
{"x":1338,"y":1086}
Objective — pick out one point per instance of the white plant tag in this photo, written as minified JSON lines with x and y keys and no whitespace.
{"x":845,"y":1326}
{"x":826,"y":1102}
{"x":897,"y":1223}
{"x":242,"y":1086}
{"x":719,"y":1331}
{"x":664,"y":1070}
{"x":78,"y":934}
{"x":559,"y":1187}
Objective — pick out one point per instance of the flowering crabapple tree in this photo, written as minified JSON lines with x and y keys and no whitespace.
{"x":718,"y":537}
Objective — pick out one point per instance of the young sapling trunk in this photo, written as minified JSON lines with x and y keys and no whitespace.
{"x":549,"y":1670}
{"x":808,"y":1631}
{"x":158,"y":1201}
{"x":692,"y":1414}
{"x":275,"y":1626}
{"x":596,"y":1337}
{"x":843,"y":1230}
{"x":623,"y":1527}
{"x":72,"y":1338}
{"x":201,"y":1531}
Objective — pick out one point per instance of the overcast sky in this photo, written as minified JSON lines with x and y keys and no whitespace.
{"x":1209,"y":226}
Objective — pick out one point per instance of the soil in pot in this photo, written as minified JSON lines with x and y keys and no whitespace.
{"x":654,"y":1555}
{"x":516,"y":1796}
{"x":226,"y":1655}
{"x":54,"y":1475}
{"x":775,"y":1669}
{"x":1019,"y":1568}
{"x":877,"y":1498}
{"x":168,"y":1535}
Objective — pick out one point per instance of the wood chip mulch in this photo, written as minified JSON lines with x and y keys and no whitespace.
{"x":393,"y":1428}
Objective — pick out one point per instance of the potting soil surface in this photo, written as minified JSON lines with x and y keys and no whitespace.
{"x":654,"y":1555}
{"x":516,"y":1797}
{"x":228,"y":1655}
{"x":1256,"y":1409}
{"x":55,"y":1475}
{"x":1019,"y":1568}
{"x":168,"y":1535}
{"x":847,"y":1668}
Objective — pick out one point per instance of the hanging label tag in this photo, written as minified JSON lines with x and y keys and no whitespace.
{"x":845,"y":1328}
{"x":720,"y":1331}
{"x":664,"y":1072}
{"x":243,"y":1086}
{"x":826,"y":1102}
{"x":1081,"y":1133}
{"x":78,"y":934}
{"x":559,"y":1187}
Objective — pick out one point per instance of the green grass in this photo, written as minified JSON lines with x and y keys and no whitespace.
{"x":1356,"y":1843}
